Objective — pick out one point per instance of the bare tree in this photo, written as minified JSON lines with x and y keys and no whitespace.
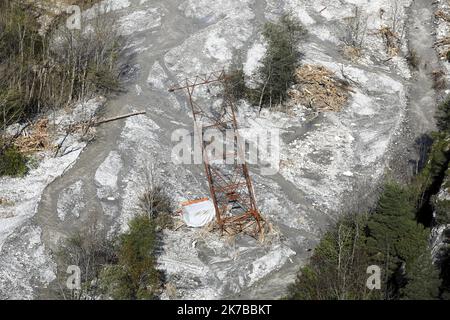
{"x":45,"y":72}
{"x":355,"y":29}
{"x":90,"y":250}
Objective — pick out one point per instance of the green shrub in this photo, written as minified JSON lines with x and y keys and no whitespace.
{"x":12,"y":163}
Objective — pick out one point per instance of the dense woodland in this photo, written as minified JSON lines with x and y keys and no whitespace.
{"x":395,"y":236}
{"x":44,"y":70}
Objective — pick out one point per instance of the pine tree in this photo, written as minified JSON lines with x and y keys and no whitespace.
{"x":423,"y":279}
{"x":337,"y":270}
{"x":392,"y":227}
{"x":443,"y":116}
{"x":394,"y":238}
{"x":135,"y":275}
{"x":281,"y":59}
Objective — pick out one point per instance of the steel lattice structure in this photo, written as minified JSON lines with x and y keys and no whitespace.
{"x":230,"y":184}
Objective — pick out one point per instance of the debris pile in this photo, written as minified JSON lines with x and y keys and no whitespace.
{"x":319,"y":88}
{"x":36,"y":138}
{"x":391,"y":41}
{"x":5,"y":202}
{"x":442,"y":42}
{"x":440,"y":14}
{"x":352,"y":53}
{"x":442,"y":46}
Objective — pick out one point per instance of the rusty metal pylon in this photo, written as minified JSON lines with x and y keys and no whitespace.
{"x":230,"y":184}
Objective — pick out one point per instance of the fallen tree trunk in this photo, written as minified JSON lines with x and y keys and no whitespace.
{"x":86,"y":125}
{"x":97,"y":123}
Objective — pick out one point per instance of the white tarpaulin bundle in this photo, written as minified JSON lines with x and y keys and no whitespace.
{"x":198,"y":213}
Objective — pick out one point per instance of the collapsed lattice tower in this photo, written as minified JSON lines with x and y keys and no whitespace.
{"x":229,"y":182}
